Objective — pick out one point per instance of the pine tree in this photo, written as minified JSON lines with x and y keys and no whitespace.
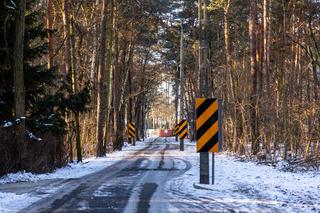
{"x":47,"y":98}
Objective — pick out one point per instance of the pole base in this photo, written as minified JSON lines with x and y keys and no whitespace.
{"x":182,"y":145}
{"x":204,"y":168}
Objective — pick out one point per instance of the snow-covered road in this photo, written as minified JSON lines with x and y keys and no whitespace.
{"x":160,"y":178}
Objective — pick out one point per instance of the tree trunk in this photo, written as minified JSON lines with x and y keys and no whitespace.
{"x":253,"y":73}
{"x":129,"y":109}
{"x":49,"y":26}
{"x":176,"y":101}
{"x":19,"y":88}
{"x":229,"y":73}
{"x":74,"y":84}
{"x":102,"y":84}
{"x":66,"y":32}
{"x":111,"y":26}
{"x":117,"y":90}
{"x":67,"y":57}
{"x":268,"y":35}
{"x":95,"y":48}
{"x":227,"y":35}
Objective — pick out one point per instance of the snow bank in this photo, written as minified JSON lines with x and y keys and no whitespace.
{"x":76,"y":170}
{"x":11,"y":202}
{"x":19,"y":177}
{"x":7,"y":124}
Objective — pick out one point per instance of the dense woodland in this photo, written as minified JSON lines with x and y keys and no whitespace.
{"x":74,"y":72}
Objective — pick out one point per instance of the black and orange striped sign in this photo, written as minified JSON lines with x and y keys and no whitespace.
{"x":176,"y":128}
{"x":207,"y":124}
{"x":183,"y":129}
{"x":131,"y":130}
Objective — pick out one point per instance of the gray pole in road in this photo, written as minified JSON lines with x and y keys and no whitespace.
{"x":181,"y":83}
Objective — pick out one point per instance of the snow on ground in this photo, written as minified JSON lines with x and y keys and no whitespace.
{"x":172,"y":140}
{"x":75,"y":170}
{"x":12,"y":202}
{"x":246,"y":186}
{"x":239,"y":186}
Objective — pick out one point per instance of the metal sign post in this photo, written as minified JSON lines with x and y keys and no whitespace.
{"x":204,"y":168}
{"x":212,"y":168}
{"x":181,"y":144}
{"x":219,"y":136}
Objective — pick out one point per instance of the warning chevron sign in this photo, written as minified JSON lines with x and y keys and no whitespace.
{"x":183,"y":129}
{"x":207,"y":124}
{"x":131,"y":130}
{"x":176,"y":128}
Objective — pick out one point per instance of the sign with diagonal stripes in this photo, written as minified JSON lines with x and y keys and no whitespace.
{"x":183,"y":129}
{"x":207,"y":124}
{"x":176,"y":128}
{"x":131,"y":130}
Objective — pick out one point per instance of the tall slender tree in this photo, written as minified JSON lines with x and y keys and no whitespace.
{"x":18,"y":70}
{"x":253,"y":73}
{"x":102,"y":81}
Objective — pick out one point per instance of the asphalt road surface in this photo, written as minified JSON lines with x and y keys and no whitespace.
{"x":135,"y":184}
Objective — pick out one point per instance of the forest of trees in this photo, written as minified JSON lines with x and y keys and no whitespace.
{"x":262,"y":60}
{"x":74,"y":72}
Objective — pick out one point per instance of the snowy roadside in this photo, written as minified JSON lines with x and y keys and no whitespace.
{"x":13,"y":202}
{"x":246,"y":187}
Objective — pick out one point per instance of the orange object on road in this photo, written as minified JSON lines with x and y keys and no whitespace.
{"x":165,"y":133}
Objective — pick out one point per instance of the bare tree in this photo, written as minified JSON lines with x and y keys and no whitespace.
{"x":253,"y":72}
{"x":19,"y":88}
{"x":102,"y":82}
